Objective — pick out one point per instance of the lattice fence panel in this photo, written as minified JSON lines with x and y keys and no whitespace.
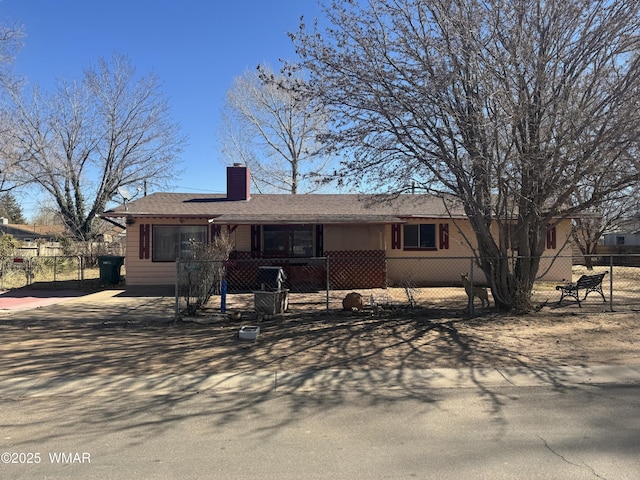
{"x":357,"y":269}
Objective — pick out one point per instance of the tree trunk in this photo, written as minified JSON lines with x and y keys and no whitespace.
{"x":510,"y":276}
{"x":588,"y":262}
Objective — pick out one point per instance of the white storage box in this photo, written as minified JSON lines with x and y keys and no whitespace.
{"x":249,"y":332}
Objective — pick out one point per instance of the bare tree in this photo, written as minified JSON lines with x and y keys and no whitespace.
{"x":271,"y":124}
{"x":507,"y":104}
{"x":10,"y":42}
{"x":82,"y":142}
{"x":46,"y":213}
{"x":10,"y":172}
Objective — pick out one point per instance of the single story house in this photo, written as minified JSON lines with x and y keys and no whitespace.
{"x":31,"y":232}
{"x":371,"y":241}
{"x":619,"y":239}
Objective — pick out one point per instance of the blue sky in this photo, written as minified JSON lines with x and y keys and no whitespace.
{"x":196,"y":48}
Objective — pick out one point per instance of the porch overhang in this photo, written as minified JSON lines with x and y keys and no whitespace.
{"x":272,"y":219}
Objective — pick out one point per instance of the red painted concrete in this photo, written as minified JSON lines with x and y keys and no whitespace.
{"x":25,"y":299}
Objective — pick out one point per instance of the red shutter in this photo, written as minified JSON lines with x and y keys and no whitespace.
{"x":319,"y":240}
{"x":551,"y":238}
{"x":396,"y":236}
{"x":444,"y":236}
{"x":215,"y":231}
{"x":144,"y":241}
{"x":255,"y":239}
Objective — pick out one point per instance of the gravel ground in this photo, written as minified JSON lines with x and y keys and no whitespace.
{"x":112,"y":333}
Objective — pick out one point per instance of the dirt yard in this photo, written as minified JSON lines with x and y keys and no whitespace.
{"x":136,"y":335}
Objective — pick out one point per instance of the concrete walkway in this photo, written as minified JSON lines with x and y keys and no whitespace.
{"x":260,"y":382}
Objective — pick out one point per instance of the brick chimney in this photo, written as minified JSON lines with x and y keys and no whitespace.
{"x":238,"y":182}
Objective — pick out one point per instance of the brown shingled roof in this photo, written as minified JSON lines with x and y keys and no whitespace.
{"x":286,"y":208}
{"x":32,"y":229}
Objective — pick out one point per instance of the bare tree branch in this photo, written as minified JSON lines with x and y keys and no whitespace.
{"x":511,"y":105}
{"x":86,"y":139}
{"x":272,"y":124}
{"x":10,"y":42}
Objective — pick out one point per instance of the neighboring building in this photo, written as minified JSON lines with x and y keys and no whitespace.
{"x":365,"y":236}
{"x":627,"y":234}
{"x":620,"y":239}
{"x":31,"y":232}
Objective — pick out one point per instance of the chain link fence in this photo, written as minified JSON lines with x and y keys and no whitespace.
{"x":69,"y":271}
{"x":322,"y":283}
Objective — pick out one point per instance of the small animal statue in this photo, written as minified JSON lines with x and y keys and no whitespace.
{"x":474,"y":291}
{"x":353,"y":302}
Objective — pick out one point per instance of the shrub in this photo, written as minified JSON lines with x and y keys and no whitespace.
{"x":203,"y":271}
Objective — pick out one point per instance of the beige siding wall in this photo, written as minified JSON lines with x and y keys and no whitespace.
{"x":559,"y":269}
{"x":440,"y":269}
{"x":336,"y":237}
{"x":436,"y":267}
{"x":458,"y":247}
{"x":241,"y":238}
{"x":354,"y":237}
{"x":145,"y":271}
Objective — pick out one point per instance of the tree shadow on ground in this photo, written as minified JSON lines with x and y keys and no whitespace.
{"x":45,"y":288}
{"x":136,"y":337}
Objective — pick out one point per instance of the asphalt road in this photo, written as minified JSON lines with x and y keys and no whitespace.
{"x":481,"y":431}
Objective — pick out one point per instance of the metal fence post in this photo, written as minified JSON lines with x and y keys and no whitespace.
{"x":611,"y":283}
{"x":223,"y":296}
{"x":470,"y":294}
{"x":177,"y":306}
{"x":328,"y":286}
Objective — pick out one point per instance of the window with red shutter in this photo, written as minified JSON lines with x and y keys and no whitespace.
{"x":215,"y":231}
{"x":255,"y":239}
{"x":396,"y":236}
{"x":551,"y":238}
{"x":444,"y":236}
{"x":144,"y":241}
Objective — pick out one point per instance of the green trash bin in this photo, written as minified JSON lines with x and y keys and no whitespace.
{"x":110,"y":269}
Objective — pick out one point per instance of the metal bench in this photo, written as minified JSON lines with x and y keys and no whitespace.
{"x":587,"y":283}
